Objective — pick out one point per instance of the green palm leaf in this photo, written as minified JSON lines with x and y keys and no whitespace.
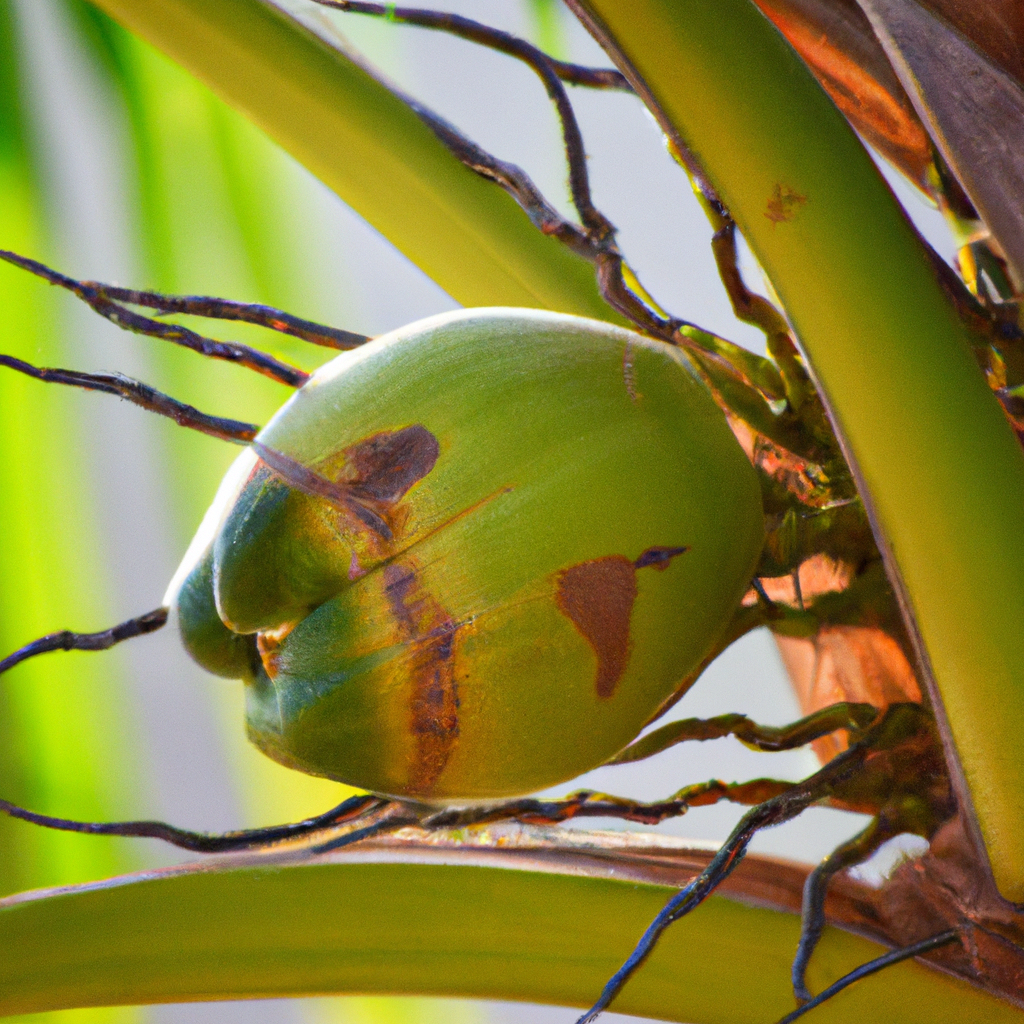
{"x":259,"y":927}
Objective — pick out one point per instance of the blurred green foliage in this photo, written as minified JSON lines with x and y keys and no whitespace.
{"x":215,"y":208}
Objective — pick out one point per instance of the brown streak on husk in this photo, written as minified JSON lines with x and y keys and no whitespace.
{"x":431,"y":634}
{"x":384,"y":466}
{"x":597,"y":598}
{"x":452,"y":520}
{"x":269,"y":643}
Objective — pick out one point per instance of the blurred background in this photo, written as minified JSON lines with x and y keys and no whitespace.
{"x":116,"y":166}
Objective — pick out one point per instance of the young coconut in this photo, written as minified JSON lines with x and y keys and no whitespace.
{"x":474,"y":557}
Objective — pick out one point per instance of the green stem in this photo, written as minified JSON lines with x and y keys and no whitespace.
{"x":258,"y":928}
{"x":938,"y":463}
{"x":367,"y":144}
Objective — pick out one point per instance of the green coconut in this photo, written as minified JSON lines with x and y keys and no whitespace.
{"x":474,"y":557}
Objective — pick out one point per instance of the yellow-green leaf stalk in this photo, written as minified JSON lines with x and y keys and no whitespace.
{"x":940,"y":467}
{"x":265,"y":930}
{"x":367,"y":144}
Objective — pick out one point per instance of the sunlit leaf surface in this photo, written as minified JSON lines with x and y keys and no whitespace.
{"x":253,"y":927}
{"x":366,"y":143}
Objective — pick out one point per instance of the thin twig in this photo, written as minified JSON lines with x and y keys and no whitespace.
{"x":775,"y":811}
{"x":588,"y":804}
{"x":597,"y":225}
{"x":384,"y":825}
{"x":527,"y":811}
{"x":769,"y":738}
{"x":245,"y":312}
{"x":812,"y":924}
{"x":573,"y":74}
{"x":141,"y":395}
{"x":231,"y":352}
{"x":65,"y":640}
{"x":511,"y":178}
{"x":677,"y":147}
{"x":873,"y":967}
{"x":204,"y":842}
{"x":609,"y":265}
{"x":755,"y":309}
